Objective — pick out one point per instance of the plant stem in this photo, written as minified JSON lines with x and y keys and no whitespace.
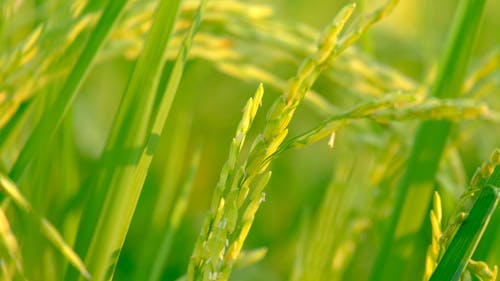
{"x":415,"y":190}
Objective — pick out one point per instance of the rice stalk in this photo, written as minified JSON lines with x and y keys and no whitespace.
{"x":323,"y":242}
{"x":416,"y":186}
{"x":134,"y":29}
{"x":434,"y":250}
{"x":396,"y":107}
{"x":487,"y":68}
{"x":176,"y":216}
{"x":47,"y":229}
{"x":458,"y":253}
{"x":172,"y":180}
{"x":199,"y":265}
{"x":121,"y":200}
{"x":51,"y":121}
{"x":9,"y":250}
{"x":441,"y":238}
{"x":224,"y":231}
{"x":245,"y":41}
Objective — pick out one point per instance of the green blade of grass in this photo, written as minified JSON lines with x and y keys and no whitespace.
{"x":164,"y":197}
{"x":488,"y":174}
{"x":467,"y":238}
{"x":138,"y":131}
{"x":51,"y":120}
{"x":175,"y":219}
{"x":415,"y":189}
{"x":238,"y":194}
{"x":9,"y":249}
{"x":49,"y":231}
{"x":7,"y":132}
{"x":129,"y":131}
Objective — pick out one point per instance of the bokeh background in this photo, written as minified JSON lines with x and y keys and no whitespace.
{"x":208,"y":107}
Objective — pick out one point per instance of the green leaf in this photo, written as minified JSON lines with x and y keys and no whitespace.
{"x":467,"y":238}
{"x":53,"y":117}
{"x":176,"y":216}
{"x":137,"y":128}
{"x":415,"y":189}
{"x":49,"y":231}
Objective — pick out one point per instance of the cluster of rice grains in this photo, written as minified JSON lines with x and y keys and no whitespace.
{"x":232,"y":211}
{"x":231,"y":215}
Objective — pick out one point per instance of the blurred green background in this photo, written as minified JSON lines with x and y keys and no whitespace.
{"x":208,"y":107}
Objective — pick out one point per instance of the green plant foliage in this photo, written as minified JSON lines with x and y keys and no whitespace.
{"x":125,"y":155}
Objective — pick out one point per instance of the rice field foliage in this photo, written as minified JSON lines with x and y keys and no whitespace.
{"x":243,"y":140}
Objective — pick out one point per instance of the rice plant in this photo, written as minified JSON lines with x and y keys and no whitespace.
{"x":125,"y":155}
